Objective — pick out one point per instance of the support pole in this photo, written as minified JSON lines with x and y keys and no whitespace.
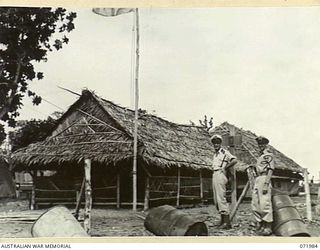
{"x":147,"y":194}
{"x":79,"y":198}
{"x":251,"y":177}
{"x":308,"y":198}
{"x":201,"y":186}
{"x":33,"y":191}
{"x":118,"y":190}
{"x":233,"y":173}
{"x":178,"y":188}
{"x":243,"y":194}
{"x":135,"y":137}
{"x":88,"y":195}
{"x":234,"y":192}
{"x":33,"y":196}
{"x":214,"y":201}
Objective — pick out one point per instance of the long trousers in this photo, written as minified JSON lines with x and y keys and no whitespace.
{"x":219,"y":181}
{"x":261,"y":203}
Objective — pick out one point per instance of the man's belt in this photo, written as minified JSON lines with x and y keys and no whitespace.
{"x":262,"y":174}
{"x":218,"y":169}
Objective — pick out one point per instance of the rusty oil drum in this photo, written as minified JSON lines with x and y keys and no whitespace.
{"x":168,"y":221}
{"x":287,"y":221}
{"x":58,"y":221}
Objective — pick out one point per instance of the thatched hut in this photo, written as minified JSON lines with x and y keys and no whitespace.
{"x":97,"y":129}
{"x":174,"y":161}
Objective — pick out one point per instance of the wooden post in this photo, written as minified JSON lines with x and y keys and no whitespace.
{"x":79,"y":198}
{"x":308,"y":199}
{"x":234,"y":192}
{"x":234,"y":174}
{"x":243,"y":194}
{"x":201,"y":186}
{"x":118,"y":190}
{"x":88,"y":195}
{"x":147,"y":194}
{"x":214,"y":202}
{"x":317,"y":208}
{"x":33,"y":191}
{"x":136,"y":105}
{"x":178,"y":188}
{"x":251,"y":177}
{"x":33,"y":197}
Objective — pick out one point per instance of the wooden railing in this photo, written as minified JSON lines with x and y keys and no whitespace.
{"x":48,"y":197}
{"x":175,"y":190}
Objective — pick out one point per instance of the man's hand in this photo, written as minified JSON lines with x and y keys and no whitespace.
{"x":251,"y":168}
{"x":265,"y":188}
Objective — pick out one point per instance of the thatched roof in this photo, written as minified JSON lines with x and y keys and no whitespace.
{"x":103,"y":131}
{"x":248,"y":150}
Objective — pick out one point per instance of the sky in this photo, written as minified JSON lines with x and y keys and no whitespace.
{"x":257,"y":68}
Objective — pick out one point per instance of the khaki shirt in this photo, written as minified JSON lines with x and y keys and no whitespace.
{"x":265,"y":162}
{"x":221,"y":159}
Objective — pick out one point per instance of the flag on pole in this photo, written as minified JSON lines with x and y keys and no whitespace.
{"x":111,"y":11}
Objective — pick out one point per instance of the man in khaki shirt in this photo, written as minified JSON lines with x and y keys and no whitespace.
{"x":222,"y":160}
{"x":261,"y":195}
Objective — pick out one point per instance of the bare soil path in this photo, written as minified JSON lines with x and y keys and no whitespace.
{"x":124,"y":222}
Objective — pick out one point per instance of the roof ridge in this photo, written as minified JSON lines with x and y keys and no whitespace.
{"x":144,"y":115}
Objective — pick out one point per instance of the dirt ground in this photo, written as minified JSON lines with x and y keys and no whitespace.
{"x":124,"y":222}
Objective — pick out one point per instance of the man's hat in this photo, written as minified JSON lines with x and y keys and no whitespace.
{"x":262,"y":140}
{"x":216,"y":138}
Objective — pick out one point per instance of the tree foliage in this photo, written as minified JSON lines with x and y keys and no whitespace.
{"x":2,"y":134}
{"x":26,"y":36}
{"x":207,"y":124}
{"x":31,"y":131}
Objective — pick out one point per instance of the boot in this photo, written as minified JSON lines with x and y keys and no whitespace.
{"x":221,"y":221}
{"x":226,"y":222}
{"x":259,"y":225}
{"x":255,"y":224}
{"x":260,"y":228}
{"x":266,"y":229}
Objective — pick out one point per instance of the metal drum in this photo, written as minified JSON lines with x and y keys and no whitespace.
{"x":57,"y":222}
{"x":286,"y":219}
{"x":168,"y":221}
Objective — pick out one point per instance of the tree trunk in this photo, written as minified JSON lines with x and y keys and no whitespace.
{"x":5,"y":109}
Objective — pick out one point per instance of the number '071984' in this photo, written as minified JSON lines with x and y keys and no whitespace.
{"x":308,"y":245}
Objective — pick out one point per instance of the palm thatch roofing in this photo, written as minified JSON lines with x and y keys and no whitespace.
{"x":103,"y":131}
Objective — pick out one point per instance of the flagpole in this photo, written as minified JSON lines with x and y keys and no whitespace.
{"x":136,"y":105}
{"x":115,"y":12}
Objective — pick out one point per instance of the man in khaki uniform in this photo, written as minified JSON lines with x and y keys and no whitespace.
{"x":261,"y":195}
{"x":222,"y":160}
